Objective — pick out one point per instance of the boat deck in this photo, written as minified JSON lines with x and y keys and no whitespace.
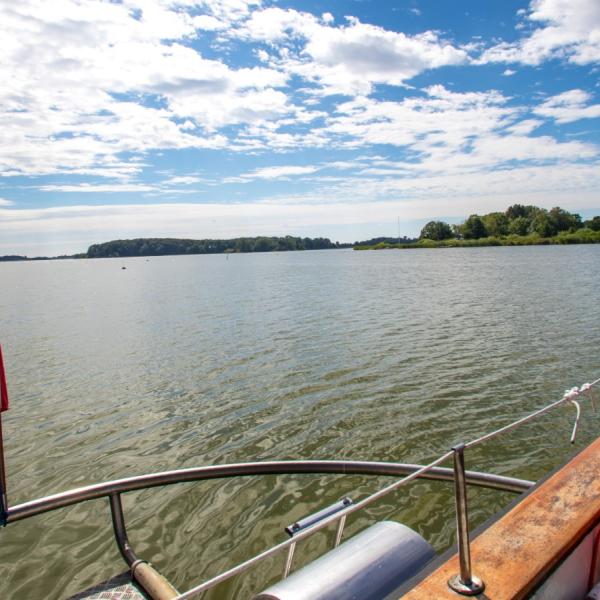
{"x":120,"y":587}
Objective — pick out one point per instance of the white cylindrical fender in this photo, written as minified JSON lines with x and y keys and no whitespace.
{"x":369,"y":566}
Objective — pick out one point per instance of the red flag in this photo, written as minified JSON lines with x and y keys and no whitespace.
{"x":3,"y":388}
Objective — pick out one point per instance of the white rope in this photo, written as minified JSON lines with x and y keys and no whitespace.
{"x":587,"y":389}
{"x":576,"y":424}
{"x":572,"y":393}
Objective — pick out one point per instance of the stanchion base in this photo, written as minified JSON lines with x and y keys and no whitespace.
{"x":476,"y":586}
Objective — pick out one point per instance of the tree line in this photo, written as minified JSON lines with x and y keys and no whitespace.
{"x":168,"y":246}
{"x":516,"y":220}
{"x":386,"y":240}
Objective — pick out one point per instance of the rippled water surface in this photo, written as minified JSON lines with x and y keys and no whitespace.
{"x":186,"y":361}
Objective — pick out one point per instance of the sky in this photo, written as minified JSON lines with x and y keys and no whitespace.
{"x":347,"y":119}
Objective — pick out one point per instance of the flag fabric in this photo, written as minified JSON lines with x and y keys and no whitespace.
{"x":3,"y":388}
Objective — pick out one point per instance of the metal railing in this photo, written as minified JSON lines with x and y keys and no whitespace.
{"x":464,"y":582}
{"x":281,"y":467}
{"x":161,"y":590}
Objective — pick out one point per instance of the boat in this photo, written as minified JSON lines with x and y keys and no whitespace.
{"x":545,"y":545}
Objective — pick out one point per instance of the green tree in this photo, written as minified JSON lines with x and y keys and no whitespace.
{"x":473,"y":228}
{"x":563,"y":220}
{"x":496,"y":224}
{"x":518,"y":210}
{"x":593,"y":224}
{"x":457,"y":231}
{"x":519,"y":226}
{"x":542,"y":225}
{"x":436,"y":230}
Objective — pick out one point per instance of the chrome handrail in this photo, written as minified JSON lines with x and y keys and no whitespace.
{"x":161,"y":589}
{"x":465,"y":582}
{"x":113,"y":490}
{"x":281,"y":467}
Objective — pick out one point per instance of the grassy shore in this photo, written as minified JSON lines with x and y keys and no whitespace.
{"x":581,"y":236}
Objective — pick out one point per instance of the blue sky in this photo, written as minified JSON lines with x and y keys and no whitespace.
{"x":223,"y":118}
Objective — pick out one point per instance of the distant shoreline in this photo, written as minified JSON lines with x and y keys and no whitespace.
{"x":146,"y":247}
{"x":19,"y":258}
{"x":581,"y":236}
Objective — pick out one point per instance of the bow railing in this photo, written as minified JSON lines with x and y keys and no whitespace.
{"x":465,"y":582}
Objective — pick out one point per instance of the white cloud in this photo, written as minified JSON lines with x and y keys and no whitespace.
{"x":525,"y":127}
{"x":366,"y":53}
{"x":5,"y":202}
{"x":275,"y":25}
{"x":450,"y":132}
{"x":171,"y":185}
{"x":565,"y":29}
{"x":568,"y":107}
{"x":92,"y":90}
{"x":98,"y":189}
{"x":228,"y":11}
{"x":182,"y":180}
{"x":282,"y":172}
{"x":494,"y":150}
{"x":208,"y":23}
{"x":442,"y":119}
{"x":508,"y":72}
{"x":349,"y":59}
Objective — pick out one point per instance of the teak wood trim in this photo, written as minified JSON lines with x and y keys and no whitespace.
{"x":515,"y":554}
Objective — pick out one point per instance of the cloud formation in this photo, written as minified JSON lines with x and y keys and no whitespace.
{"x":232,"y":102}
{"x":562,"y":29}
{"x":349,"y":59}
{"x":568,"y":107}
{"x":114,"y":79}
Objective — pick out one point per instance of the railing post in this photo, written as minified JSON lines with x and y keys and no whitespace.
{"x":288,"y":560}
{"x":147,"y":577}
{"x":465,"y":582}
{"x":340,"y":531}
{"x":120,"y":531}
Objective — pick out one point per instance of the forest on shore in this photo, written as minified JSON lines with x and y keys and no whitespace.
{"x":519,"y":225}
{"x":169,"y":246}
{"x":173,"y":246}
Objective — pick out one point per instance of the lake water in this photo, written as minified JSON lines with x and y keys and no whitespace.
{"x":186,"y":361}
